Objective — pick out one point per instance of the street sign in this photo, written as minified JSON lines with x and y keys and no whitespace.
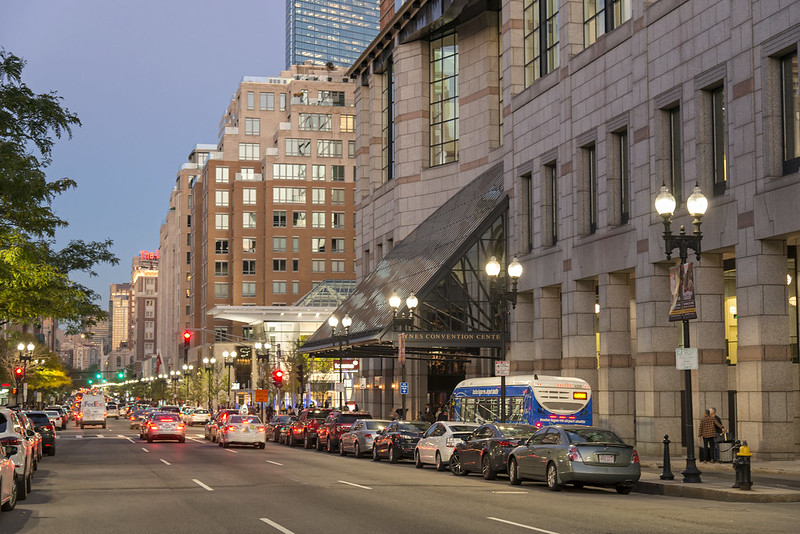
{"x":262,"y":395}
{"x":686,"y":359}
{"x":502,"y":368}
{"x":403,"y":388}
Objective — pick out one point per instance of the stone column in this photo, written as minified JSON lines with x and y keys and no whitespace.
{"x":579,"y":339}
{"x":545,"y":355}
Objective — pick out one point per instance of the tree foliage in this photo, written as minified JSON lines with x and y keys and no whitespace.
{"x":35,"y":277}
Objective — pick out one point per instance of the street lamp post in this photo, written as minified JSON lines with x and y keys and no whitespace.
{"x":333,"y":321}
{"x":498,"y":298}
{"x":262,"y":355}
{"x":187,"y":369}
{"x":209,"y":367}
{"x":174,"y":377}
{"x":401,"y":322}
{"x":229,"y":359}
{"x":25,"y":356}
{"x":696,"y":204}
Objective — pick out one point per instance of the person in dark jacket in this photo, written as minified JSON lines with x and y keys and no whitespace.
{"x":709,"y":428}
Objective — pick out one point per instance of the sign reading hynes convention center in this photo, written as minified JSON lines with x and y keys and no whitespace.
{"x":454,"y":339}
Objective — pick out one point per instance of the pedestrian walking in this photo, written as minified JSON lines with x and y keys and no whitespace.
{"x":709,"y":428}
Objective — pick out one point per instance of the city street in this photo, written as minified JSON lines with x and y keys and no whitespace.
{"x":108,"y":480}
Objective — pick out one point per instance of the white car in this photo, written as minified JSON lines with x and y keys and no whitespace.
{"x":12,"y":432}
{"x":243,"y":430}
{"x":198,"y":416}
{"x":55,"y":418}
{"x":112,"y":410}
{"x":8,"y":480}
{"x":438,"y":442}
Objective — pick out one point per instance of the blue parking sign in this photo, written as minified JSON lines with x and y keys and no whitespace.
{"x":403,"y":388}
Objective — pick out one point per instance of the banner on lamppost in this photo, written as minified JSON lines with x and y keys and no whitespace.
{"x":681,"y":285}
{"x":401,"y":349}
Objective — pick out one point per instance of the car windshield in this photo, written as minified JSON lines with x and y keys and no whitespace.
{"x":591,"y":435}
{"x":414,"y":426}
{"x":521,"y":430}
{"x":111,"y":406}
{"x":38,"y":419}
{"x":166,"y":418}
{"x":246,"y":419}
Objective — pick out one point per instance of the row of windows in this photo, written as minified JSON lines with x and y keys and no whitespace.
{"x":285,"y":171}
{"x":322,"y":122}
{"x":279,"y":243}
{"x":266,"y":101}
{"x":298,"y":195}
{"x":326,"y":148}
{"x":279,"y":265}
{"x":299,"y":219}
{"x":222,"y":289}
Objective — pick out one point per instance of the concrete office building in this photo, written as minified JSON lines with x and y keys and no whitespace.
{"x":144,"y":305}
{"x":329,"y":31}
{"x":119,"y":315}
{"x":583,"y":125}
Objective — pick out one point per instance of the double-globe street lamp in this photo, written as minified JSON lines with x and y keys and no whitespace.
{"x":344,"y":338}
{"x":499,"y":300}
{"x":402,"y":322}
{"x":187,"y":369}
{"x":229,"y":359}
{"x":25,"y":356}
{"x":174,"y":376}
{"x":696,"y":205}
{"x":209,"y":367}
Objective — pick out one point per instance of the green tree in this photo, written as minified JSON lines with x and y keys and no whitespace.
{"x":34,"y":276}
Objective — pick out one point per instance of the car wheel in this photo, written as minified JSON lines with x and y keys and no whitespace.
{"x":12,"y":501}
{"x":182,"y":440}
{"x":22,"y":488}
{"x":456,"y":467}
{"x":329,"y":446}
{"x":356,"y":450}
{"x":149,"y":438}
{"x":552,"y":477}
{"x":439,"y":463}
{"x":104,"y":424}
{"x":624,"y":489}
{"x":306,"y":441}
{"x":486,"y":468}
{"x":225,"y":444}
{"x":513,"y":473}
{"x":28,"y":483}
{"x":375,"y":457}
{"x":51,"y":452}
{"x":318,"y":445}
{"x":393,"y":457}
{"x":290,"y":441}
{"x":417,"y":461}
{"x":262,"y":445}
{"x":82,"y":426}
{"x":342,"y":452}
{"x":276,"y":436}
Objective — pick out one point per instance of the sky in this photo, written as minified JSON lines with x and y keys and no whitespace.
{"x":149,"y":80}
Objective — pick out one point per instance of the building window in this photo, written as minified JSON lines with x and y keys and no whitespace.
{"x":221,"y":221}
{"x":317,"y":244}
{"x":790,"y":113}
{"x":317,"y":266}
{"x":248,"y":244}
{"x":718,"y":140}
{"x":329,"y":148}
{"x":288,"y":171}
{"x":279,"y":219}
{"x":295,"y":287}
{"x":318,"y":173}
{"x":278,"y":287}
{"x":387,"y":114}
{"x":267,"y":101}
{"x":222,"y":175}
{"x":220,"y":268}
{"x":298,"y":147}
{"x":188,"y":221}
{"x":220,"y":290}
{"x":316,"y":122}
{"x":220,"y":246}
{"x":279,"y":265}
{"x":188,"y":258}
{"x":674,"y":165}
{"x":337,"y":266}
{"x":248,"y":219}
{"x":318,"y":219}
{"x":347,"y":123}
{"x":221,"y":198}
{"x":283,"y":102}
{"x":331,"y":98}
{"x":337,"y":172}
{"x":541,"y":38}
{"x":248,"y":266}
{"x":295,"y":244}
{"x":444,"y":100}
{"x":589,"y":164}
{"x":527,"y":209}
{"x":317,"y":195}
{"x":248,"y":196}
{"x":351,"y":149}
{"x":247,"y":332}
{"x":621,"y":175}
{"x":251,"y":100}
{"x":289,"y":195}
{"x":248,"y":289}
{"x":337,"y":220}
{"x":295,"y":265}
{"x":221,"y":332}
{"x":337,"y":197}
{"x":249,"y":151}
{"x":337,"y":246}
{"x":298,"y":219}
{"x":601,"y":16}
{"x":252,"y":126}
{"x":278,"y":244}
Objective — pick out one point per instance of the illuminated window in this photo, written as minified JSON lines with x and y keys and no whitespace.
{"x":317,"y":244}
{"x":248,"y":219}
{"x":248,"y":244}
{"x":347,"y":123}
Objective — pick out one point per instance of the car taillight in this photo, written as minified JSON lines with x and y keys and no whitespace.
{"x":573,"y":454}
{"x":10,"y":441}
{"x":80,"y":414}
{"x":231,"y":428}
{"x":367,"y":435}
{"x":261,"y":429}
{"x":635,"y":456}
{"x":181,"y":426}
{"x":131,"y":418}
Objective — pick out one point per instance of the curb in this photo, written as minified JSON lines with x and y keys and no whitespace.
{"x":716,"y":494}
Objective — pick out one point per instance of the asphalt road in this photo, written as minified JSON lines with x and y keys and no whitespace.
{"x":109,"y":481}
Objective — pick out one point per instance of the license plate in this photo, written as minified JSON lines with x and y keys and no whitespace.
{"x":167,"y":426}
{"x":605,"y":458}
{"x":245,"y":429}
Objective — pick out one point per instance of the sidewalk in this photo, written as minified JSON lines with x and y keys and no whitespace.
{"x":718,"y":479}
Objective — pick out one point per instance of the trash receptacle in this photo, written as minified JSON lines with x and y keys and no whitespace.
{"x":726,"y":452}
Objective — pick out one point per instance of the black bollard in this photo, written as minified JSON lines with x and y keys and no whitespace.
{"x":667,"y":473}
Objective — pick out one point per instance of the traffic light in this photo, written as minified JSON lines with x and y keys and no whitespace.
{"x":187,"y":338}
{"x":98,"y":375}
{"x":121,"y":375}
{"x":19,"y":373}
{"x":300,"y":375}
{"x":277,"y":378}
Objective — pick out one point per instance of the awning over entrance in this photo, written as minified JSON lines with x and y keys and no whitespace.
{"x":441,"y":262}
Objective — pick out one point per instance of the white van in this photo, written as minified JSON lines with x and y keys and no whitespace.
{"x":93,"y":410}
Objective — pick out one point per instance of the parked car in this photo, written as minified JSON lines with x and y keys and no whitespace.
{"x":63,"y":415}
{"x":12,"y":437}
{"x":45,"y":427}
{"x":34,"y":437}
{"x":439,"y":441}
{"x":335,"y":425}
{"x":242,"y":430}
{"x":8,"y":482}
{"x":486,"y":449}
{"x":198,"y":416}
{"x":165,"y":425}
{"x":112,"y":410}
{"x":579,"y":455}
{"x":212,"y":427}
{"x":397,"y":440}
{"x":305,"y":428}
{"x":358,"y":440}
{"x":276,"y":429}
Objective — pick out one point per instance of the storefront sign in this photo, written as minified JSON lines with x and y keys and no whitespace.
{"x":454,"y":339}
{"x":347,"y":365}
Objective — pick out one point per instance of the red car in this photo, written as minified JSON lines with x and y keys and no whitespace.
{"x":335,"y":425}
{"x":305,"y":428}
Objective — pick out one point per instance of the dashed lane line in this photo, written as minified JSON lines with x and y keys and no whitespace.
{"x":276,"y":526}
{"x":165,"y":462}
{"x":355,"y":485}
{"x":202,"y":485}
{"x":521,"y":525}
{"x":145,"y":450}
{"x":274,"y":463}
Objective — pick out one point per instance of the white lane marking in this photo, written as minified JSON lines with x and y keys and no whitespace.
{"x":521,"y":525}
{"x":195,"y":439}
{"x":166,"y":462}
{"x":202,"y":485}
{"x":276,"y":526}
{"x":228,"y":450}
{"x":356,"y":485}
{"x":145,"y":450}
{"x":100,"y":436}
{"x":129,"y":439}
{"x":274,"y":463}
{"x":78,"y":437}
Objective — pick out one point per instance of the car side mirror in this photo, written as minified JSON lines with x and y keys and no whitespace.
{"x":30,"y":433}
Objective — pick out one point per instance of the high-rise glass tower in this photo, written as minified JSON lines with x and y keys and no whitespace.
{"x":335,"y":31}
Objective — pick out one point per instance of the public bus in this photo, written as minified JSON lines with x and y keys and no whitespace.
{"x":530,"y":399}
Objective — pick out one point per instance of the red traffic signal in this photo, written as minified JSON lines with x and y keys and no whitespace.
{"x":19,"y":372}
{"x":187,"y":338}
{"x":277,"y":378}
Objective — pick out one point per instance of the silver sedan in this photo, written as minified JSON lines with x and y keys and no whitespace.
{"x":358,"y":440}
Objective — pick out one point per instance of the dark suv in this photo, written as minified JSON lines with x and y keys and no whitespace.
{"x":335,"y":425}
{"x":305,"y":428}
{"x":45,"y":427}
